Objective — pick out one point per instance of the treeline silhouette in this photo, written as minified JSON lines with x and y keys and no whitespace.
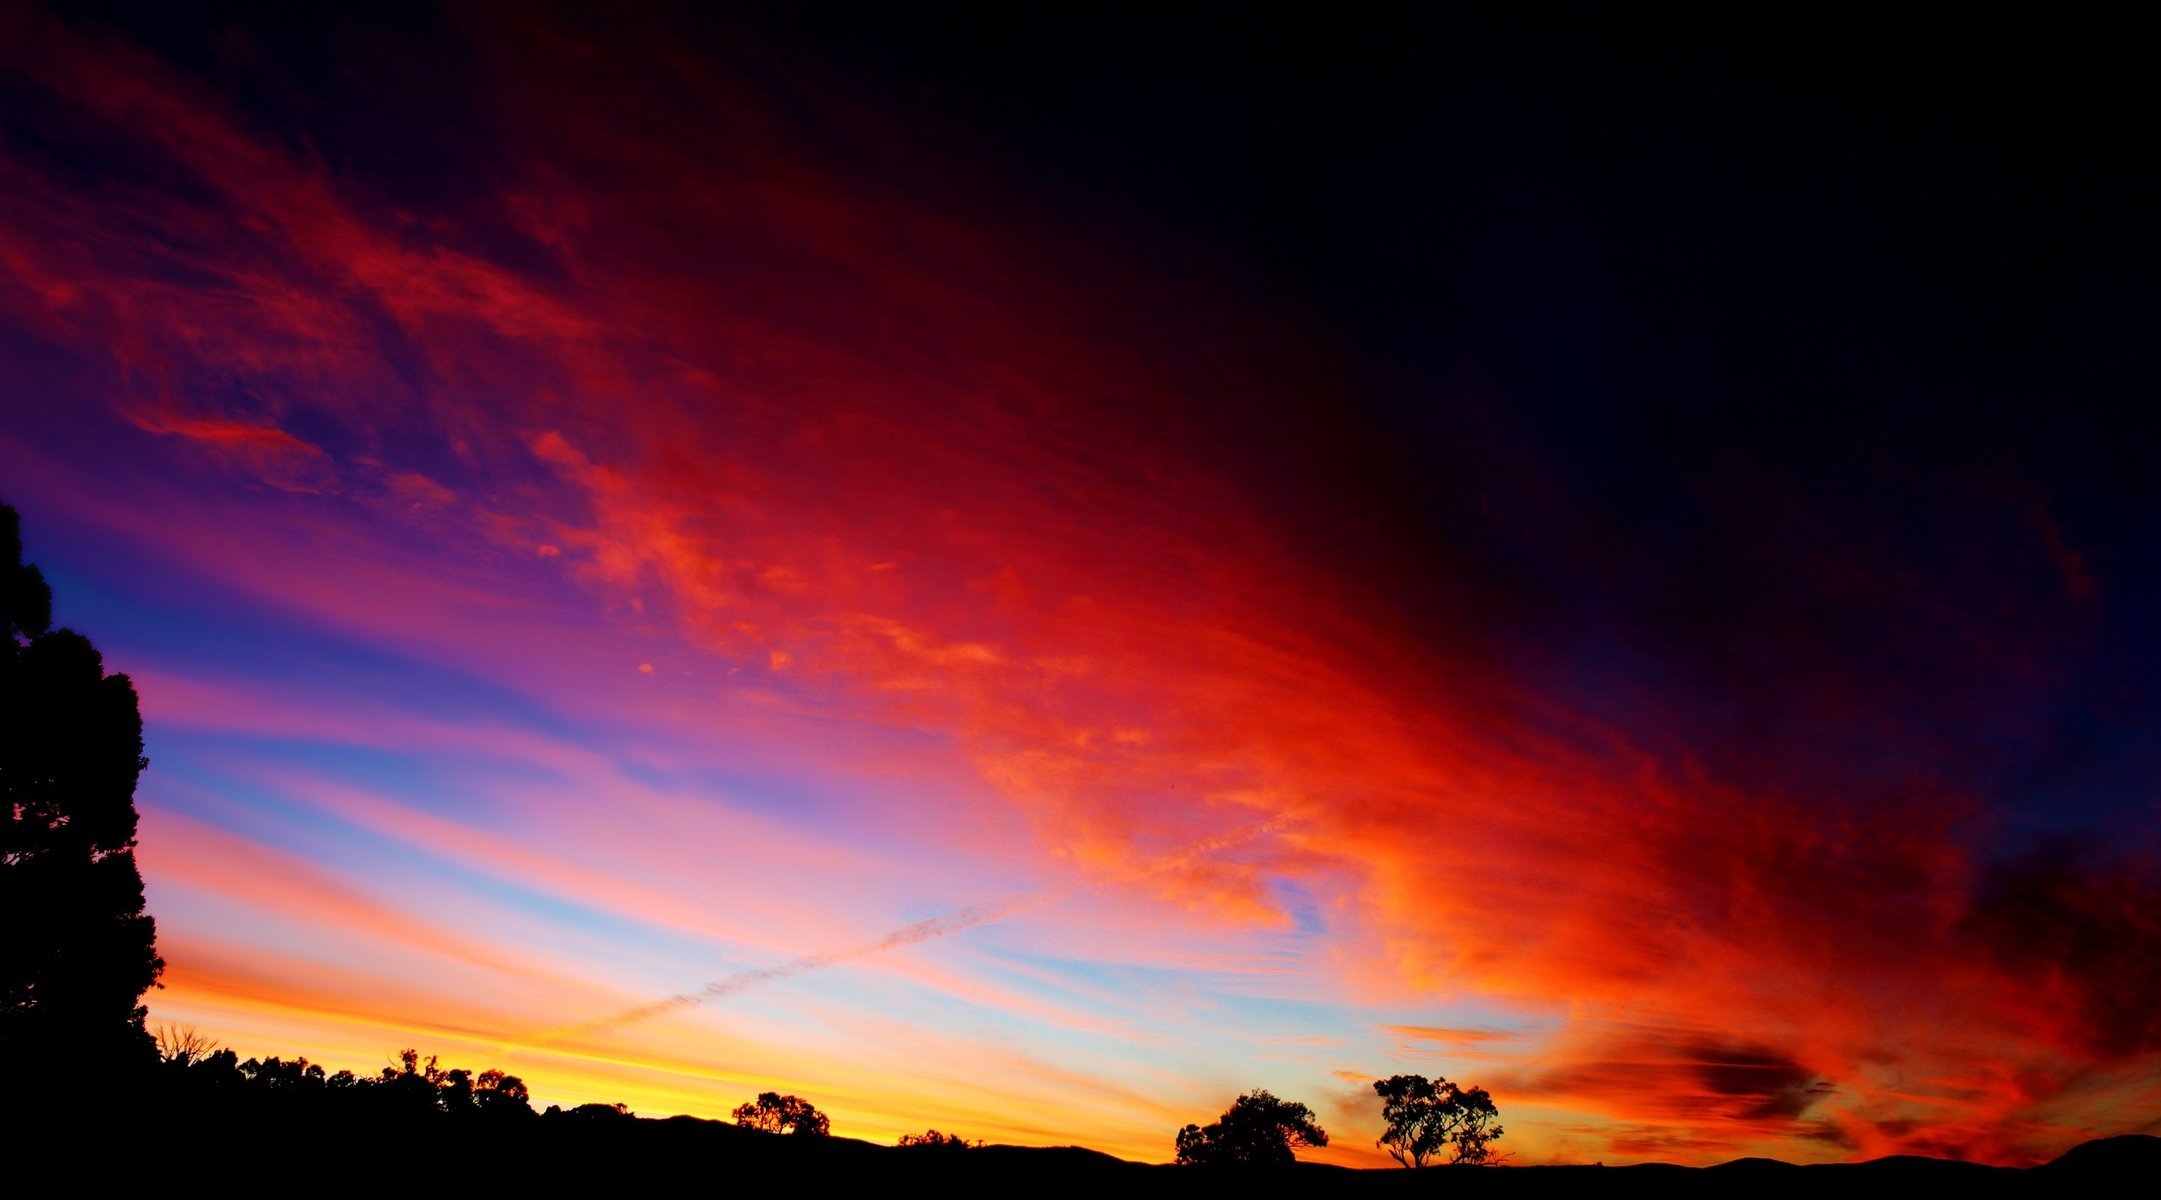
{"x":199,"y":1109}
{"x":412,"y":1086}
{"x":1258,"y":1129}
{"x":193,"y":1069}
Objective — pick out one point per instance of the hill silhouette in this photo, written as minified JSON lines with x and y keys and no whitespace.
{"x":2133,"y":1155}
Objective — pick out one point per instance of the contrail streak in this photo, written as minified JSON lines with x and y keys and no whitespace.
{"x":908,"y":935}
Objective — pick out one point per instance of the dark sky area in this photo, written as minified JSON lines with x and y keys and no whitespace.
{"x":1781,"y":374}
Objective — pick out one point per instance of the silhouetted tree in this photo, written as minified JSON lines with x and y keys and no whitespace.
{"x":1257,"y":1130}
{"x":180,"y":1046}
{"x":76,"y":949}
{"x":455,"y":1093}
{"x":1426,"y":1116}
{"x":775,"y":1113}
{"x":1476,"y":1133}
{"x":284,"y":1076}
{"x":217,"y":1071}
{"x":934,"y":1140}
{"x":498,"y":1095}
{"x":411,"y":1082}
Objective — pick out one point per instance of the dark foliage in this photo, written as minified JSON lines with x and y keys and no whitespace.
{"x":1428,"y":1116}
{"x":1257,"y":1130}
{"x":934,"y":1140}
{"x":592,"y":1112}
{"x":76,"y":949}
{"x":410,"y":1089}
{"x":772,"y":1112}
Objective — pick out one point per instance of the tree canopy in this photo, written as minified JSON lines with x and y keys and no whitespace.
{"x":1257,"y":1130}
{"x":1427,"y":1116}
{"x":775,"y":1113}
{"x":77,"y":951}
{"x":934,"y":1140}
{"x":411,"y":1087}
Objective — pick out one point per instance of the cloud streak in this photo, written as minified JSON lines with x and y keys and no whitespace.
{"x":958,"y":921}
{"x":922,"y":931}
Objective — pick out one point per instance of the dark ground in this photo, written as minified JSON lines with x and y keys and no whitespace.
{"x":257,"y":1147}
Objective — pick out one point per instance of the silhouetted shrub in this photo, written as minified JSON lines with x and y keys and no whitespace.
{"x":934,"y":1140}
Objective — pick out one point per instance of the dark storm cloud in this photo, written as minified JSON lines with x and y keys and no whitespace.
{"x":1688,"y":1074}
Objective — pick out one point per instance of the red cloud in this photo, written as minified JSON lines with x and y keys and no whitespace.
{"x":264,"y":451}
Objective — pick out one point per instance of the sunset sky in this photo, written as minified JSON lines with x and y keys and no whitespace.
{"x":1618,"y":562}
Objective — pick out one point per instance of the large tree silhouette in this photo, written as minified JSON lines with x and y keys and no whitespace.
{"x":1427,"y":1116}
{"x":76,"y":949}
{"x":1257,"y":1130}
{"x":775,"y":1113}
